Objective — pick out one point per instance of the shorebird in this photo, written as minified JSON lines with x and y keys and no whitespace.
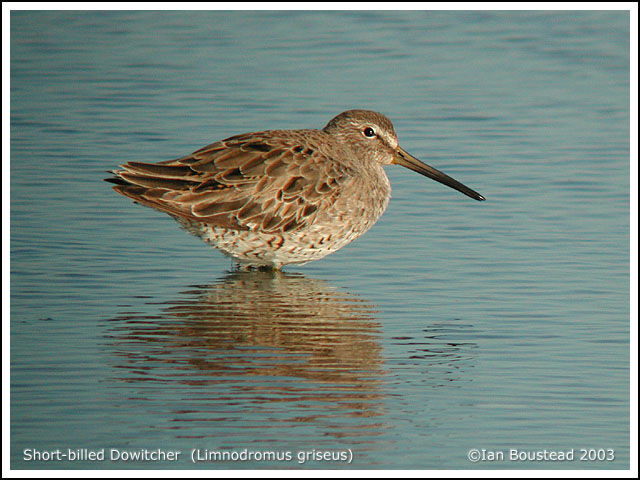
{"x":280,"y":197}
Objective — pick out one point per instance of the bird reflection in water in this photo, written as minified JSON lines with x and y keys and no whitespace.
{"x":261,"y":349}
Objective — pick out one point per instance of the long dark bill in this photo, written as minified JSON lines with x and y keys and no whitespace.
{"x":407,"y":160}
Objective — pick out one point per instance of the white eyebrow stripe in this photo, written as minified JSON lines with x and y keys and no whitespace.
{"x":385,"y":136}
{"x":390,"y":140}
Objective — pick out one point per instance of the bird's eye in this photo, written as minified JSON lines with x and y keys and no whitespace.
{"x":369,"y":132}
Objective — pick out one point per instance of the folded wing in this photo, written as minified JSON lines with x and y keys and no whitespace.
{"x":268,"y":181}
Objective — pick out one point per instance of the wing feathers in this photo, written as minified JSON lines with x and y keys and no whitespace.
{"x":156,"y":181}
{"x":263,"y":181}
{"x":154,"y":169}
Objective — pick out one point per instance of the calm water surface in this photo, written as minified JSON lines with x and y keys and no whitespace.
{"x":451,"y":325}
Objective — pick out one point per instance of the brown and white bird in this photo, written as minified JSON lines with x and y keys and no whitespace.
{"x":281,"y":197}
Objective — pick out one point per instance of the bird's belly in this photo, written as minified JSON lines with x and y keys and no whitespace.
{"x":278,"y":249}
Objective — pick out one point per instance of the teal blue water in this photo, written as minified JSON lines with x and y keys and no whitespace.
{"x":452,"y":325}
